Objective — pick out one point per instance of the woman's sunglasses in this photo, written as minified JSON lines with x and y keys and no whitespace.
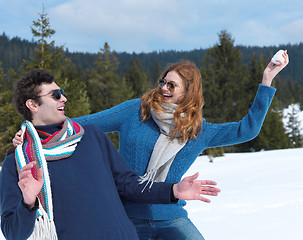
{"x":170,"y":85}
{"x":56,"y":94}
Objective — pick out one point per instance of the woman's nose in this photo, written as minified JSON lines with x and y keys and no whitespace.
{"x":164,"y":87}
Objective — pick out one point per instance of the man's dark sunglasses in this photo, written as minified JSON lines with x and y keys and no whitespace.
{"x":56,"y":94}
{"x":170,"y":85}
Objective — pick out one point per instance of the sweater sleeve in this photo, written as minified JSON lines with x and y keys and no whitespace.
{"x":17,"y":222}
{"x":248,"y":128}
{"x":127,"y":181}
{"x":111,"y":119}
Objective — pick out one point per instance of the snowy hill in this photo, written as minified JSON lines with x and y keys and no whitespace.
{"x":261,"y":196}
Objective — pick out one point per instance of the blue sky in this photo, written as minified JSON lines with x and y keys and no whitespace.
{"x":155,"y":25}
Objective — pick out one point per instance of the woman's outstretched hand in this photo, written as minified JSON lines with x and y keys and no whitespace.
{"x":191,"y":189}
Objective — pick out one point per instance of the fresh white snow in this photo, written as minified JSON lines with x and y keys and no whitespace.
{"x":261,"y":196}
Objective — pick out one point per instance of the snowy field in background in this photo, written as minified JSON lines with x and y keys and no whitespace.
{"x":261,"y":196}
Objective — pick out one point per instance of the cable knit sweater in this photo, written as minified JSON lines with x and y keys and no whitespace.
{"x":138,"y":138}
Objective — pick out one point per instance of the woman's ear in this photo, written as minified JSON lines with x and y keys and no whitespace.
{"x":32,"y":105}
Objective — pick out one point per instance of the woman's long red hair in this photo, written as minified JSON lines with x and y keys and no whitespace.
{"x":191,"y":105}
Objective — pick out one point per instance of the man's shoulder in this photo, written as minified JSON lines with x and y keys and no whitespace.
{"x":91,"y":131}
{"x":9,"y":160}
{"x":93,"y":136}
{"x":90,"y":127}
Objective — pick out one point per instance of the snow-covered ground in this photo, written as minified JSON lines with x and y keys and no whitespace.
{"x":261,"y":196}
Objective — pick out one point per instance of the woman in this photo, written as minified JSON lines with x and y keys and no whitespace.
{"x":163,"y":133}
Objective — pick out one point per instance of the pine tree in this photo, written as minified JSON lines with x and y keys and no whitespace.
{"x":256,"y":69}
{"x":76,"y":93}
{"x":51,"y":58}
{"x":137,"y":78}
{"x":156,"y":71}
{"x":224,"y":80}
{"x":9,"y":119}
{"x":2,"y":75}
{"x":293,"y":127}
{"x":273,"y":134}
{"x":106,"y":87}
{"x":298,"y":94}
{"x":47,"y":55}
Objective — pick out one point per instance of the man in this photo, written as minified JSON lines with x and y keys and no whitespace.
{"x":70,"y":178}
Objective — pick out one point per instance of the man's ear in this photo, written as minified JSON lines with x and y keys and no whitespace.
{"x":32,"y":105}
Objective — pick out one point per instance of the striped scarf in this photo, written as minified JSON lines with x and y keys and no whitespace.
{"x":42,"y":147}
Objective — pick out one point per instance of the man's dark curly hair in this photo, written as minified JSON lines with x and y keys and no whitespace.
{"x":28,"y":88}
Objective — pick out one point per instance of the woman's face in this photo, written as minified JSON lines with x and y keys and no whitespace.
{"x":173,"y":94}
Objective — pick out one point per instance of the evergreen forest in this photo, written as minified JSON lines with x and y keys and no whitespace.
{"x":95,"y":82}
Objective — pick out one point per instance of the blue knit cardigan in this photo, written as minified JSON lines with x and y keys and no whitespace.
{"x":138,"y":138}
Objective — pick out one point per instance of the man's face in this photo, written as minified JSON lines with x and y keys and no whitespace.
{"x":51,"y":111}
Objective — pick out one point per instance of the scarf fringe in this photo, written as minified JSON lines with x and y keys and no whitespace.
{"x":148,"y":177}
{"x":44,"y":229}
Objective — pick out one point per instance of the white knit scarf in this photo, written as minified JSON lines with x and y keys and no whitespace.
{"x":60,"y":146}
{"x":165,"y":148}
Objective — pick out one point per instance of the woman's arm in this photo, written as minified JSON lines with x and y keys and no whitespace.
{"x":107,"y":121}
{"x":111,"y":119}
{"x":250,"y":126}
{"x":224,"y":134}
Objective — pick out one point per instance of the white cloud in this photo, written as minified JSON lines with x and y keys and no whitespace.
{"x":254,"y":33}
{"x":125,"y":24}
{"x":147,"y":25}
{"x":294,"y":31}
{"x":126,"y":18}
